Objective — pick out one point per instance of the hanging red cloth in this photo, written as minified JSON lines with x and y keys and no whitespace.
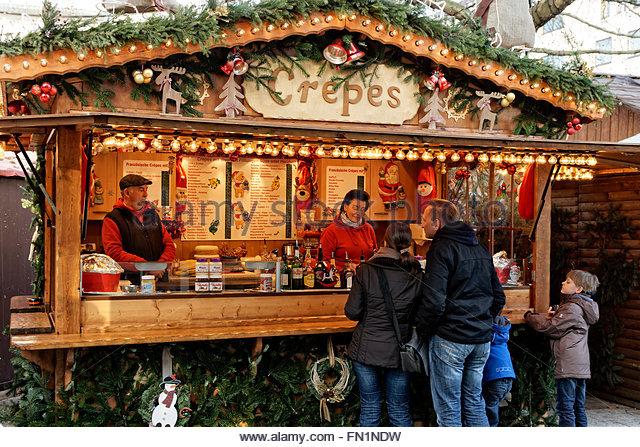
{"x":526,"y":196}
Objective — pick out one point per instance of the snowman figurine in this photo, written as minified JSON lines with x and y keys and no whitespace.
{"x":165,"y":413}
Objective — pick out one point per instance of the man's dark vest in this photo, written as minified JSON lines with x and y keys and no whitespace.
{"x":141,"y":239}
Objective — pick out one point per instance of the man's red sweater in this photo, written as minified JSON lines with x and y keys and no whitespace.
{"x":112,"y":240}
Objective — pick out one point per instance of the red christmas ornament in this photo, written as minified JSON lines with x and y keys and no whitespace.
{"x":432,"y":82}
{"x":578,"y":127}
{"x":13,"y":107}
{"x":45,"y":87}
{"x":569,"y":124}
{"x":353,"y":53}
{"x":576,"y":121}
{"x":35,"y":90}
{"x":53,"y":91}
{"x":44,"y":97}
{"x":571,"y":131}
{"x":443,"y":84}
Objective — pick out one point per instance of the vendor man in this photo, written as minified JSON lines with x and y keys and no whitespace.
{"x":132,"y":231}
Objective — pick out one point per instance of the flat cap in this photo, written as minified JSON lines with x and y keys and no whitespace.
{"x":133,"y":180}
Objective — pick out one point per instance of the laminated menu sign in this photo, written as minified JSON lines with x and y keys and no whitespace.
{"x":205,"y":198}
{"x":155,"y":170}
{"x":341,"y":180}
{"x":238,"y":200}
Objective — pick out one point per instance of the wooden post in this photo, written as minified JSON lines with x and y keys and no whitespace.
{"x":542,"y":244}
{"x":66,"y":254}
{"x":49,"y":281}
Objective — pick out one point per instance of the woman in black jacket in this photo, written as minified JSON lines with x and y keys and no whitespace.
{"x":374,"y":346}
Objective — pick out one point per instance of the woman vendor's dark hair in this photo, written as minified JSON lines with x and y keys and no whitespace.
{"x":398,"y":236}
{"x":355,"y":194}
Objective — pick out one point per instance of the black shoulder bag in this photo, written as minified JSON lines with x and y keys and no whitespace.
{"x":413,"y":353}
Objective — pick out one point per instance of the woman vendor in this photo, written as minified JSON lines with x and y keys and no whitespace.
{"x":349,"y":233}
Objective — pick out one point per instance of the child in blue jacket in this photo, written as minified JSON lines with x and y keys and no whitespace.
{"x":498,"y":373}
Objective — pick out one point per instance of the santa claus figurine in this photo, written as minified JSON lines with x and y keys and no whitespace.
{"x":389,"y":184}
{"x":426,"y":187}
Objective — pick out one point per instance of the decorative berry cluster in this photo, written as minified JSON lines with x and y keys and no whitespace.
{"x":573,"y":126}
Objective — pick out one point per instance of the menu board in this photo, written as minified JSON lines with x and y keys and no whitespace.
{"x":158,"y":172}
{"x":238,"y":200}
{"x":204,"y":199}
{"x":341,"y":180}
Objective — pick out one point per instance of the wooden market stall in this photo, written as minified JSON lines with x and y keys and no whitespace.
{"x":303,"y":133}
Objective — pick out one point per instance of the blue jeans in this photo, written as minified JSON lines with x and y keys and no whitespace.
{"x":572,"y":394}
{"x":396,"y":384}
{"x":456,"y":382}
{"x":494,"y":392}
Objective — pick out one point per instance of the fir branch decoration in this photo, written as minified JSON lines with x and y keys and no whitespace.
{"x":202,"y":26}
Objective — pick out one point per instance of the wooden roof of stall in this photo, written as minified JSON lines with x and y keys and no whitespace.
{"x":64,"y":61}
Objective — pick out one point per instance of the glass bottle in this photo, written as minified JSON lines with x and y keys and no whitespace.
{"x":347,"y":274}
{"x":297,"y":273}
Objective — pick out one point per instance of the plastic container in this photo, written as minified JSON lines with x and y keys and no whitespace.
{"x":215,"y":283}
{"x":100,"y":282}
{"x":266,"y":282}
{"x":147,"y":284}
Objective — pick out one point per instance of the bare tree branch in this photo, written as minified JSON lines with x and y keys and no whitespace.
{"x":574,"y":52}
{"x":546,"y":10}
{"x":451,"y":8}
{"x":627,"y":2}
{"x":634,"y":35}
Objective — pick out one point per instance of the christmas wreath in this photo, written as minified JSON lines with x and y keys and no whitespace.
{"x":329,"y":389}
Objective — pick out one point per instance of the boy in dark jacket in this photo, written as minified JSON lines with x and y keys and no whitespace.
{"x":498,"y":373}
{"x":568,"y":328}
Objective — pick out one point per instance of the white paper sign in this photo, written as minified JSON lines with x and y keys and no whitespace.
{"x":342,"y":179}
{"x":151,"y":169}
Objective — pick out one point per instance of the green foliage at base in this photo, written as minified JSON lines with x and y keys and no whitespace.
{"x":223,"y":386}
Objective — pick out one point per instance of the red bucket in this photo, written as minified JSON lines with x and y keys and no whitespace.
{"x":100,"y":282}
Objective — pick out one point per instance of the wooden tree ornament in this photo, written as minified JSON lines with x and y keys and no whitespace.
{"x":231,"y":98}
{"x":433,"y":111}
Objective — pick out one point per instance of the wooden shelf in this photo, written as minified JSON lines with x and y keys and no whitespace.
{"x":57,"y":341}
{"x":20,"y":304}
{"x":30,"y":323}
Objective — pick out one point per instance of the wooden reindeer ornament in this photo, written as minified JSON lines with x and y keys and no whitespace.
{"x":164,"y":80}
{"x":484,"y":105}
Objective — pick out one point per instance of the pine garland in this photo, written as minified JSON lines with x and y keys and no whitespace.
{"x":202,"y":26}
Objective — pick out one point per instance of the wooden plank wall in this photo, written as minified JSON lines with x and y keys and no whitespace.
{"x":623,"y":123}
{"x":584,"y":198}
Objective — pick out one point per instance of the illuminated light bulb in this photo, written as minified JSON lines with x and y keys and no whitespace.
{"x":512,"y":77}
{"x":581,"y":160}
{"x":400,"y":154}
{"x":175,"y":145}
{"x":353,"y":153}
{"x":412,"y":156}
{"x":335,"y":153}
{"x":524,"y":81}
{"x":473,"y":62}
{"x":304,"y":151}
{"x":469,"y":158}
{"x":427,"y":156}
{"x":275,"y":151}
{"x":229,"y":148}
{"x":268,"y":149}
{"x":511,"y":158}
{"x":518,"y":159}
{"x":459,"y":57}
{"x":483,"y":158}
{"x":455,"y":157}
{"x":444,"y":51}
{"x":127,"y":143}
{"x":572,"y":160}
{"x":588,"y":175}
{"x":110,"y":142}
{"x":387,"y":154}
{"x":211,"y":147}
{"x":552,"y":160}
{"x":528,"y":159}
{"x":441,"y":157}
{"x":496,"y":158}
{"x":499,"y":72}
{"x":193,"y":146}
{"x":320,"y":152}
{"x":541,"y":159}
{"x":243,"y":150}
{"x":486,"y":67}
{"x":141,"y":145}
{"x":259,"y":149}
{"x":564,"y":160}
{"x":591,"y":160}
{"x":345,"y":153}
{"x":249,"y":148}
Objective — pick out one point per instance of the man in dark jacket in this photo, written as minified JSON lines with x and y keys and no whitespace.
{"x":461,"y":295}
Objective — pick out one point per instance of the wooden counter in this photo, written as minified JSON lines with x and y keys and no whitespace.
{"x":116,"y":319}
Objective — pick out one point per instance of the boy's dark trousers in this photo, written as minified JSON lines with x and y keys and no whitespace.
{"x":572,"y":394}
{"x":494,"y":392}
